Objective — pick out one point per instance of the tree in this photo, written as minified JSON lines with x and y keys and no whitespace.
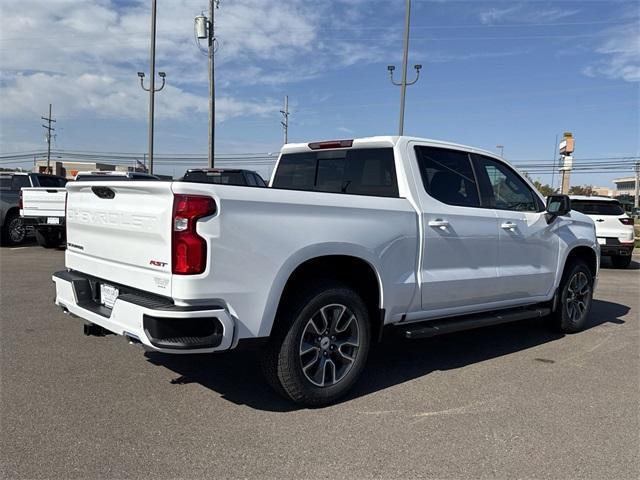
{"x":581,"y":190}
{"x":544,"y":189}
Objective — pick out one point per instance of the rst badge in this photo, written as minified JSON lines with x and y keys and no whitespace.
{"x":156,"y":263}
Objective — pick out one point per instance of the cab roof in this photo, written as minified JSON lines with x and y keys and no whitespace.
{"x":383,"y":141}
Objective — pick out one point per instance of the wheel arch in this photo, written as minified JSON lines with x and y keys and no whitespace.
{"x":585,"y":253}
{"x":9,"y":212}
{"x":357,"y":270}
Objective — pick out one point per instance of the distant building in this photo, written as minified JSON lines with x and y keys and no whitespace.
{"x":69,"y":169}
{"x":602,"y":191}
{"x":625,"y":186}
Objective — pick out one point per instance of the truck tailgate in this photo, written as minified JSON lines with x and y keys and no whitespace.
{"x":121,"y":232}
{"x":43,"y":202}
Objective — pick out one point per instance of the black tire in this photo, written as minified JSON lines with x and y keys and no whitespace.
{"x":14,"y":230}
{"x":48,"y":239}
{"x":328,"y":374}
{"x":575,"y":298}
{"x":620,"y":261}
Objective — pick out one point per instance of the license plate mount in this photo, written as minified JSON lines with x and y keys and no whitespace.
{"x":108,"y":295}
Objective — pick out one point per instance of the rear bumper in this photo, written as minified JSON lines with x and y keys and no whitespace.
{"x":44,"y":222}
{"x":614,"y":247}
{"x":155,"y":321}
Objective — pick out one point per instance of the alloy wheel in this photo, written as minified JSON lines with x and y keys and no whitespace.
{"x":578,"y":296}
{"x":329,"y":345}
{"x":17,"y":230}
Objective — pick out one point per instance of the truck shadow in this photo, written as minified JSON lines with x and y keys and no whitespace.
{"x":236,"y":375}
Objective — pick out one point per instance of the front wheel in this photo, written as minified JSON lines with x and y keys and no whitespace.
{"x":620,"y":261}
{"x":320,"y":345}
{"x":576,"y":294}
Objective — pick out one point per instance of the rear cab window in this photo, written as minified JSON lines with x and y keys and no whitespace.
{"x":48,"y":181}
{"x":19,"y":181}
{"x":219,"y":178}
{"x":595,"y":207}
{"x":356,"y":171}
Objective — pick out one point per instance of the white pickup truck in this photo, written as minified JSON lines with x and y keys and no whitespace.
{"x":43,"y":208}
{"x":351,"y":236}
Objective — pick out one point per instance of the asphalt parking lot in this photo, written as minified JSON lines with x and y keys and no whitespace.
{"x":503,"y":402}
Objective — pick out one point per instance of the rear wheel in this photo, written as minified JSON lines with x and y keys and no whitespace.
{"x":620,"y":261}
{"x":320,"y":345}
{"x":14,"y":230}
{"x":576,"y":293}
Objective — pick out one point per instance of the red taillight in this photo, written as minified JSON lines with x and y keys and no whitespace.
{"x":626,"y":221}
{"x":189,"y":250}
{"x":20,"y":201}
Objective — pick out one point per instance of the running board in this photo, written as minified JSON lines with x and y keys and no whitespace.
{"x":433,"y":328}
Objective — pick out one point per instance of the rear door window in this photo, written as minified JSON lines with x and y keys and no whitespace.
{"x":363,"y":171}
{"x":595,"y":207}
{"x":447,"y":176}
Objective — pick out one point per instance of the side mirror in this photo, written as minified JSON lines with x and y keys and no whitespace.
{"x":557,"y":206}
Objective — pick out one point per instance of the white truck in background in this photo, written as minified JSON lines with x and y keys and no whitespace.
{"x":352,"y":236}
{"x":44,"y":208}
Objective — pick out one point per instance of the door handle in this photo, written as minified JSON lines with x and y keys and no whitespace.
{"x":439,"y":223}
{"x":508,"y":226}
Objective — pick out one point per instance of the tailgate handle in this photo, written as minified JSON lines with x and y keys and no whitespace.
{"x":103,"y":192}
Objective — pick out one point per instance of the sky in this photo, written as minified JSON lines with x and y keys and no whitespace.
{"x":514,"y":73}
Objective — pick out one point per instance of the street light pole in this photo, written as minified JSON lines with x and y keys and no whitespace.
{"x":405,"y":60}
{"x":152,"y":82}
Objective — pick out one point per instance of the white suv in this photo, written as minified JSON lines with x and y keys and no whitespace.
{"x":614,"y":228}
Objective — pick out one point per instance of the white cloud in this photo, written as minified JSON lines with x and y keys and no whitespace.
{"x":87,"y":62}
{"x":621,"y":55}
{"x":494,"y":15}
{"x":521,"y":13}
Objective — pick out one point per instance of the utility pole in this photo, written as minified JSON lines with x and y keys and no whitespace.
{"x":213,"y":5}
{"x":405,"y":59}
{"x":637,"y":192}
{"x":49,"y":129}
{"x":285,"y":121}
{"x":204,"y":29}
{"x":152,"y":81}
{"x":501,"y":148}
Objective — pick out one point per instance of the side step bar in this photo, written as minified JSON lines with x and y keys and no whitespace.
{"x":433,"y":328}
